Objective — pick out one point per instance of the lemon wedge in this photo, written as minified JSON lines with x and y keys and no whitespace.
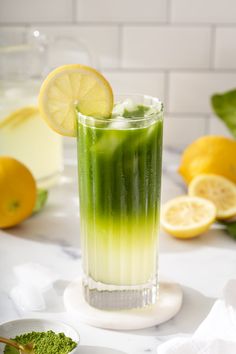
{"x":70,"y":88}
{"x":219,"y":190}
{"x":187,"y":217}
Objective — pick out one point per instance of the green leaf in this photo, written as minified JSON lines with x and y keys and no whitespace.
{"x":224,"y":106}
{"x":230,"y":228}
{"x":42,"y":196}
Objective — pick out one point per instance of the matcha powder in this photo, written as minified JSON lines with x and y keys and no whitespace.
{"x":44,"y":343}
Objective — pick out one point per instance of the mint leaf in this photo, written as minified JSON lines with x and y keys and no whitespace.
{"x":230,"y":228}
{"x":224,"y":106}
{"x":41,"y":199}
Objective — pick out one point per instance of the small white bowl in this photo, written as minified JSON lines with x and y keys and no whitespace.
{"x":17,"y":327}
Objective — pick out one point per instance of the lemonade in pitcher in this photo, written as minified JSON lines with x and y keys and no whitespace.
{"x":24,"y":135}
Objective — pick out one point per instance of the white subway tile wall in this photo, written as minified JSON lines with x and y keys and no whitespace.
{"x":165,"y":47}
{"x":180,"y":132}
{"x":30,"y":11}
{"x":102,"y":41}
{"x":189,"y":92}
{"x":203,"y":11}
{"x":179,"y":50}
{"x":121,"y":11}
{"x":149,"y":83}
{"x":225,"y":48}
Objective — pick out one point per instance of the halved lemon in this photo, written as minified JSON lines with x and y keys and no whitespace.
{"x":219,"y":190}
{"x":70,"y":88}
{"x":187,"y":217}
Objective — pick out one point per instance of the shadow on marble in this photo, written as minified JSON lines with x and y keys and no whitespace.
{"x":85,"y":349}
{"x":54,"y":297}
{"x":215,"y":238}
{"x":218,"y":238}
{"x":55,"y":229}
{"x":194,"y":310}
{"x":60,"y":286}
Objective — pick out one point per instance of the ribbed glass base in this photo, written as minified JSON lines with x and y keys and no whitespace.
{"x":113,"y":297}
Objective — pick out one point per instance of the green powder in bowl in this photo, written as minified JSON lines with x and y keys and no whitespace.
{"x":44,"y":343}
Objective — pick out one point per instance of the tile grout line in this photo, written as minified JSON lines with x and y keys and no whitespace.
{"x":120,"y":45}
{"x":212,"y":48}
{"x":27,"y":29}
{"x":207,"y":124}
{"x":124,"y":23}
{"x":132,"y":71}
{"x":189,"y":115}
{"x":168,"y":11}
{"x":166,"y":88}
{"x":74,"y":12}
{"x":172,"y":70}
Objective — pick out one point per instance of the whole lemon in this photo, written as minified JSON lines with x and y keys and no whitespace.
{"x":17,"y":192}
{"x":209,"y":154}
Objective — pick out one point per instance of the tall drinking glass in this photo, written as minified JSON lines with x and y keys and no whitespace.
{"x":119,"y":190}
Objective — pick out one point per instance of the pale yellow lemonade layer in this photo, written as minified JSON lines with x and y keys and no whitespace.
{"x":120,"y":253}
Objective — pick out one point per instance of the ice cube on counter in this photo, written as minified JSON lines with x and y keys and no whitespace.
{"x":37,"y":275}
{"x":27,"y":298}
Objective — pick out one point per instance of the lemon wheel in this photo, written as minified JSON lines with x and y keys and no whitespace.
{"x":72,"y":88}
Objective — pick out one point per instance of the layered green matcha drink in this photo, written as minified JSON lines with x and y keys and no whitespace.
{"x":119,"y":157}
{"x":119,"y":188}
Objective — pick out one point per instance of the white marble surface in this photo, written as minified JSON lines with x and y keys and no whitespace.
{"x":202,"y":266}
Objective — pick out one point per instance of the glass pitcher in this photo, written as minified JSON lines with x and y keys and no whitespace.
{"x":23,"y":133}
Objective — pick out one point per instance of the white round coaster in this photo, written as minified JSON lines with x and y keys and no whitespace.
{"x":167,"y":306}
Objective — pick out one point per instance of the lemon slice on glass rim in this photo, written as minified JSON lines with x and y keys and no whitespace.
{"x":72,"y":88}
{"x":219,"y":190}
{"x":187,"y":217}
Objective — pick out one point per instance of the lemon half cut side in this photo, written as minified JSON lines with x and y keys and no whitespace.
{"x":70,"y":88}
{"x":219,"y":190}
{"x":187,"y":217}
